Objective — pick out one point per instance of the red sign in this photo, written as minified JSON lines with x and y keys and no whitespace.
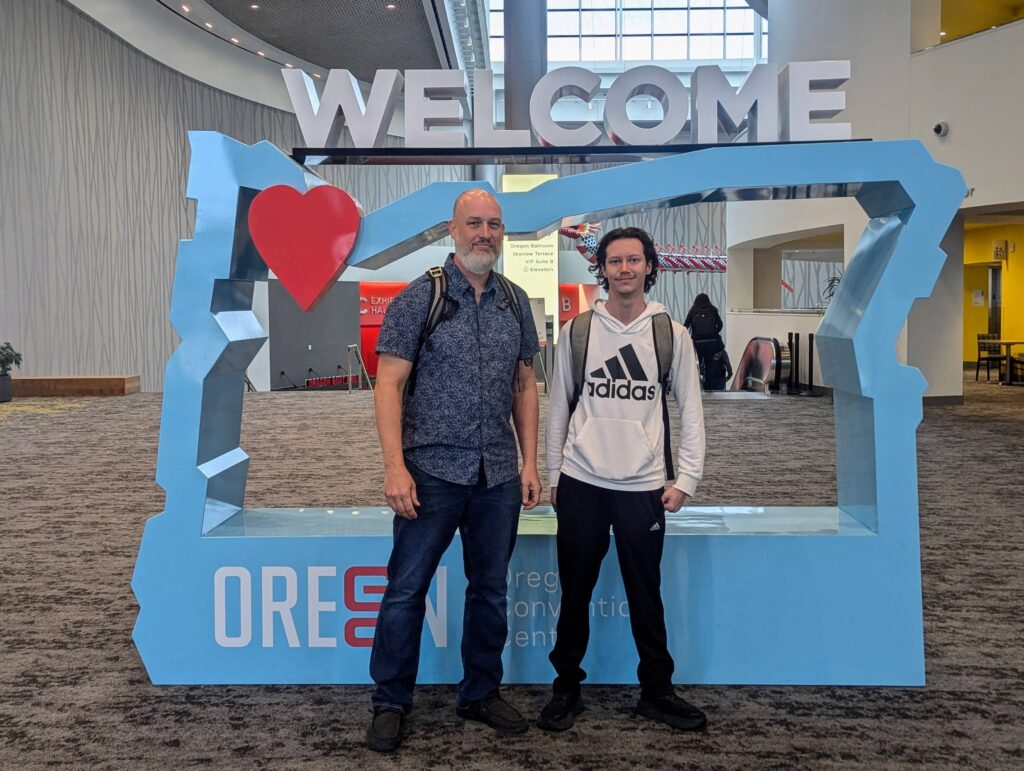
{"x":374,"y":299}
{"x":573,"y":299}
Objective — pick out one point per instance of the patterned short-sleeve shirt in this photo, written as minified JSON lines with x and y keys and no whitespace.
{"x":458,"y":414}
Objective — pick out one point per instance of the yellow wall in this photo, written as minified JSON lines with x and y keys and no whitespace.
{"x":978,"y":253}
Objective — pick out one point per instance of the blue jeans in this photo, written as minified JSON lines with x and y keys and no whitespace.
{"x":487,"y":519}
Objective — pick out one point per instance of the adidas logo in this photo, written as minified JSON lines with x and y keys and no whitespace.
{"x":626,"y":368}
{"x":655,"y":527}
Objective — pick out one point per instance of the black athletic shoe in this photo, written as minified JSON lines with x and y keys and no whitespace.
{"x":560,"y":713}
{"x":387,"y":729}
{"x":674,"y":711}
{"x":495,"y":712}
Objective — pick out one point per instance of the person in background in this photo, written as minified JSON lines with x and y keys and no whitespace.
{"x":717,"y":371}
{"x":705,"y":325}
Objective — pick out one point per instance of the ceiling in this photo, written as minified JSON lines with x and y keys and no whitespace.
{"x":362,"y":36}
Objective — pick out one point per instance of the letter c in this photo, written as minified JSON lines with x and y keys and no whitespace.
{"x":566,"y":81}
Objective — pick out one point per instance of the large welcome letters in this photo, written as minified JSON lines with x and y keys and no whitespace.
{"x":771,"y":105}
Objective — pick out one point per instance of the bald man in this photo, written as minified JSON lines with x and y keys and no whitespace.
{"x":450,"y":465}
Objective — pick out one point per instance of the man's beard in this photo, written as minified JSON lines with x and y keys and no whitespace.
{"x":478,"y":263}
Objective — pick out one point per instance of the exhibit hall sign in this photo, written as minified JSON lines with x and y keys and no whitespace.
{"x":787,"y":104}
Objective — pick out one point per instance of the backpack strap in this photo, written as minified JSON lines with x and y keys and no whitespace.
{"x":438,"y":295}
{"x":508,"y":288}
{"x":664,"y":341}
{"x":579,"y":343}
{"x":435,"y":315}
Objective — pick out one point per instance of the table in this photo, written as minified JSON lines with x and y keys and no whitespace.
{"x":1008,"y":350}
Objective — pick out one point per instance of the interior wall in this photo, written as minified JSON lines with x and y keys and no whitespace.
{"x":936,"y":321}
{"x":767,"y":274}
{"x":973,"y":85}
{"x":94,"y":139}
{"x":975,"y":317}
{"x":977,"y":252}
{"x":306,"y":344}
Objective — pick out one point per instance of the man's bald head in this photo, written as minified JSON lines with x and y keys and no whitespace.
{"x":472,"y":195}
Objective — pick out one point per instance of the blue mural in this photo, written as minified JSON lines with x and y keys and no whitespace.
{"x":821,"y":595}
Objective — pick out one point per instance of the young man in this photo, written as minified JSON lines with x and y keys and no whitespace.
{"x":608,"y":463}
{"x":450,"y":465}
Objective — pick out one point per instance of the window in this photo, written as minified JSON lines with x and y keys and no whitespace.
{"x":611,"y":31}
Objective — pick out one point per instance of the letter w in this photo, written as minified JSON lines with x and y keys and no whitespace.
{"x":367,"y":122}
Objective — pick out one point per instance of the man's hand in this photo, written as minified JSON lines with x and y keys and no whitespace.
{"x":400,"y":490}
{"x":673,"y":499}
{"x":529,"y":483}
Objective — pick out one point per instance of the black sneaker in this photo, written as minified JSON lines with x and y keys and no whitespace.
{"x":560,"y":713}
{"x":495,"y":712}
{"x":672,"y":710}
{"x":387,"y":729}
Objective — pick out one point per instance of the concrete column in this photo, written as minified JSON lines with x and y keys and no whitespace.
{"x":767,"y":275}
{"x":526,"y":57}
{"x":739,"y":279}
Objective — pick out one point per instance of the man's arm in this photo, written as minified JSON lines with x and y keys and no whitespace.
{"x":526,"y":417}
{"x":562,"y":387}
{"x":399,"y":487}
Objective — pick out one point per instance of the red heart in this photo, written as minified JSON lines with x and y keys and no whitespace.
{"x":305,"y":239}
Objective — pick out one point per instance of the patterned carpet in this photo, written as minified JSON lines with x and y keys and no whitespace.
{"x":76,"y":485}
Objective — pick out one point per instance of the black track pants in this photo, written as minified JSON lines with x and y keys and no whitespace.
{"x":585,"y":514}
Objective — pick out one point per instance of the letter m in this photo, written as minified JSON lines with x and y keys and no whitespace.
{"x":715,"y":104}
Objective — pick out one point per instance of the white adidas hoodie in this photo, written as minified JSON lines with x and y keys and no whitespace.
{"x":615,"y":437}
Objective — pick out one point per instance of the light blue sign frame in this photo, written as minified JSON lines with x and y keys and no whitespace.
{"x":823,"y":595}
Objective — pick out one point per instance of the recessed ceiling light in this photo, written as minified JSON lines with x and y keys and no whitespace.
{"x":942,"y":34}
{"x":234,"y":40}
{"x":185,"y":8}
{"x":288,"y":64}
{"x":255,"y":7}
{"x":390,"y":6}
{"x":260,"y":53}
{"x":316,"y":74}
{"x":207,"y":25}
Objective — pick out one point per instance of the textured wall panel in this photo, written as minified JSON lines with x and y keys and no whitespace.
{"x":92,"y":184}
{"x":809,"y":279}
{"x":700,"y":224}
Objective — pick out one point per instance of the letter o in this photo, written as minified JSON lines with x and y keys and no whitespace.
{"x":656,"y":82}
{"x":220,"y":624}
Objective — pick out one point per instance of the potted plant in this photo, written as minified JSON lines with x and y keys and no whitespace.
{"x":8,"y":358}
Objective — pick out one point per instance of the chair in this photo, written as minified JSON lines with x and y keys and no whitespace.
{"x":988,"y":352}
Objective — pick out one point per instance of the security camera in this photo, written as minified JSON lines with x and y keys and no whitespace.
{"x":940,"y":129}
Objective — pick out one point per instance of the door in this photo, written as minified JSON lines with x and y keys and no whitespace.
{"x":995,"y":300}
